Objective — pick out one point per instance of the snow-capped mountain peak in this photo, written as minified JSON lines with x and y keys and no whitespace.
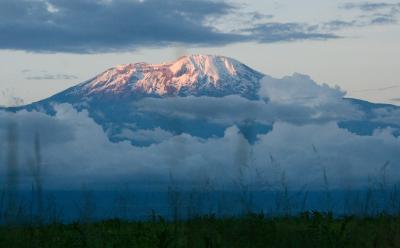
{"x":189,"y":75}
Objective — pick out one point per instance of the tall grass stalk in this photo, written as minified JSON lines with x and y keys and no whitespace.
{"x":174,"y":199}
{"x":86,"y":206}
{"x":12,"y":209}
{"x":244,"y":167}
{"x":37,"y":187}
{"x":122,"y":202}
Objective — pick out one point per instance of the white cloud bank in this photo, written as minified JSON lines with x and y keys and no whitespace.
{"x":295,"y":99}
{"x":87,"y":155}
{"x":305,"y":141}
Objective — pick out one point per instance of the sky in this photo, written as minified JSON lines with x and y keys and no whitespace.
{"x":47,"y":46}
{"x":307,"y":48}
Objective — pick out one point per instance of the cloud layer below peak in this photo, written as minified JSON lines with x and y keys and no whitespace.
{"x":305,"y":140}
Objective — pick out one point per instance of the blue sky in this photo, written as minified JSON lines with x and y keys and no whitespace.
{"x":47,"y":46}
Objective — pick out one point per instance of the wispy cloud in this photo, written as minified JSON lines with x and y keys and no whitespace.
{"x":381,"y":13}
{"x":10,"y":97}
{"x":380,"y":89}
{"x":369,"y":6}
{"x":278,"y":32}
{"x":370,"y":14}
{"x":52,"y":77}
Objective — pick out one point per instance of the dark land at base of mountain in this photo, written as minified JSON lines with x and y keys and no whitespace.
{"x":311,"y":229}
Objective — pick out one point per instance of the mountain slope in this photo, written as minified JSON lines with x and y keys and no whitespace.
{"x":217,"y":92}
{"x":195,"y":75}
{"x":110,"y":97}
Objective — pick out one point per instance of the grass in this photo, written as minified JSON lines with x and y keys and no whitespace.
{"x":37,"y":223}
{"x":311,"y":229}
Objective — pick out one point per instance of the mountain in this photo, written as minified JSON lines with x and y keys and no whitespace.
{"x":196,"y":75}
{"x":111,"y":99}
{"x":109,"y":96}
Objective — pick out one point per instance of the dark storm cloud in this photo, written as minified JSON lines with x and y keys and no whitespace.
{"x":95,"y":26}
{"x":90,"y":26}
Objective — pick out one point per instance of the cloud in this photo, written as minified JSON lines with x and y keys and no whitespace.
{"x":52,"y":77}
{"x":101,"y":26}
{"x":119,"y":25}
{"x":144,"y":136}
{"x":52,"y":130}
{"x":95,"y":26}
{"x":387,"y":115}
{"x":304,"y":140}
{"x":299,"y":89}
{"x":372,"y":13}
{"x":295,"y":99}
{"x":380,"y":89}
{"x":123,"y":25}
{"x":370,"y":6}
{"x":84,"y":154}
{"x":278,"y":32}
{"x":10,"y":98}
{"x":339,"y":24}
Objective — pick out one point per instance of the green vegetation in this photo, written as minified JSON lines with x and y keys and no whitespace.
{"x":373,"y":215}
{"x":307,"y":230}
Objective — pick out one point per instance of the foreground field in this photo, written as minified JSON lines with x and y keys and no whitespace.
{"x":307,"y":230}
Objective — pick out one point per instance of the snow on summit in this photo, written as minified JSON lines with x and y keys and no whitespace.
{"x":189,"y":75}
